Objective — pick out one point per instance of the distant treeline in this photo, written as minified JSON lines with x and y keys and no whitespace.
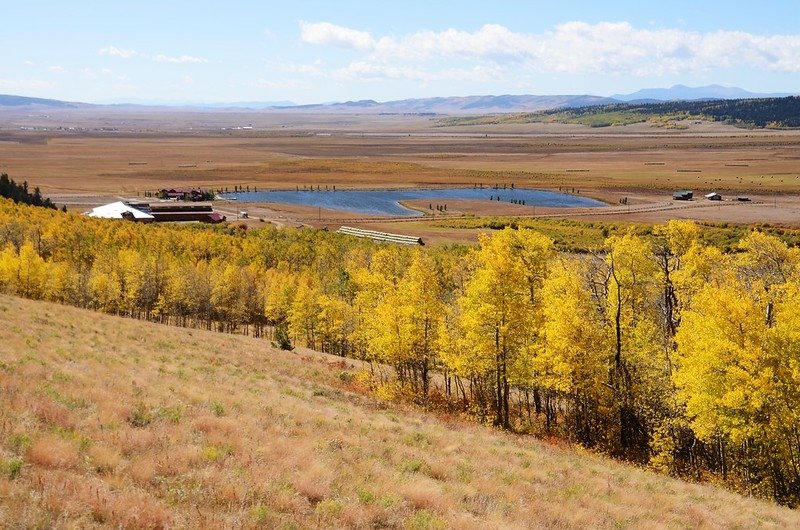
{"x":19,"y":193}
{"x":778,"y":113}
{"x":759,"y":112}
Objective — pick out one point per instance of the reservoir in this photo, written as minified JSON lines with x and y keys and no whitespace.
{"x":387,"y":202}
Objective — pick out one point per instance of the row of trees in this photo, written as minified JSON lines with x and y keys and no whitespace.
{"x":20,"y":193}
{"x":758,"y":112}
{"x":660,"y":350}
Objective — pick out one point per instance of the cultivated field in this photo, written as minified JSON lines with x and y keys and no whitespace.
{"x":110,"y":422}
{"x":85,"y":157}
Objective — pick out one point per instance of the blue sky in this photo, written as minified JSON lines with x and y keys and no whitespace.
{"x":315,"y":51}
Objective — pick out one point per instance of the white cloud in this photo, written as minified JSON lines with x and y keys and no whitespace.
{"x":161,"y":58}
{"x":294,"y":84}
{"x":333,"y":35}
{"x":315,"y":68}
{"x":24,"y":84}
{"x":369,"y":70}
{"x":113,"y":51}
{"x":57,"y":69}
{"x":366,"y":70}
{"x":92,"y":73}
{"x":570,"y":48}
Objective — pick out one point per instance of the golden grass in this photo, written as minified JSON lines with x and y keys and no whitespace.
{"x":120,"y":423}
{"x":752,"y":161}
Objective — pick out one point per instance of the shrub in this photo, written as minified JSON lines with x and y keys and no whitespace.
{"x":11,"y":468}
{"x":217,"y":408}
{"x":140,"y":416}
{"x":424,"y":520}
{"x":259,"y":514}
{"x":329,"y":508}
{"x":365,"y":496}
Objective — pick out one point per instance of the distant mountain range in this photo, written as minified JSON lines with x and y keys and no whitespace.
{"x":682,"y":92}
{"x":21,"y":101}
{"x":459,"y":105}
{"x":442,"y":105}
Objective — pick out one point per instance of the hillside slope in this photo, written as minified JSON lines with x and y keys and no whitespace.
{"x":107,"y":421}
{"x":775,"y":113}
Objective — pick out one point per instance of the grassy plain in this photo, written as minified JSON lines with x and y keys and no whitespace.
{"x":86,"y":157}
{"x":285,"y":151}
{"x":110,"y":422}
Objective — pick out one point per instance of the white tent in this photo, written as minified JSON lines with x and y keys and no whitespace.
{"x":119,"y":210}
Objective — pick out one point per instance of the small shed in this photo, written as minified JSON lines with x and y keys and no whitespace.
{"x":714,"y":196}
{"x":683,"y":195}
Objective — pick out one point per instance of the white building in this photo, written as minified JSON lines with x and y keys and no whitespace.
{"x":120,"y":210}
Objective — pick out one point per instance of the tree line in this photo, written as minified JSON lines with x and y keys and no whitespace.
{"x":660,"y":349}
{"x":20,"y":193}
{"x":757,"y":112}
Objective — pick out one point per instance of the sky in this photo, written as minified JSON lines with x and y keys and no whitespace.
{"x":321,"y":51}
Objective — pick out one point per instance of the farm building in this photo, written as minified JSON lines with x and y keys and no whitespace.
{"x":121,"y":210}
{"x":683,"y":195}
{"x":191,"y":211}
{"x":183,"y":194}
{"x":713,"y":196}
{"x":381,"y":236}
{"x":158,"y":212}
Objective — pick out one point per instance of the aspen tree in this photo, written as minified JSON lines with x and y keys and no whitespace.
{"x":632,"y":291}
{"x":739,"y":368}
{"x":334,"y":324}
{"x":279,"y":289}
{"x":572,"y":359}
{"x":421,"y":291}
{"x":9,"y":269}
{"x":304,"y":312}
{"x":497,"y":316}
{"x":105,"y":288}
{"x":32,"y":272}
{"x":61,"y":284}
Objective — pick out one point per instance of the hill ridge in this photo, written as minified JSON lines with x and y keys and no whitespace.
{"x":484,"y":104}
{"x":118,"y":422}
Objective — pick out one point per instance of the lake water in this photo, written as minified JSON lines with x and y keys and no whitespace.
{"x":387,"y":202}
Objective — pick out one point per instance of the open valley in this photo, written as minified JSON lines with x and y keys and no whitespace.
{"x":639,"y":165}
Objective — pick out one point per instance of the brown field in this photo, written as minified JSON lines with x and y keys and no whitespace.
{"x":85,"y":157}
{"x":111,"y":422}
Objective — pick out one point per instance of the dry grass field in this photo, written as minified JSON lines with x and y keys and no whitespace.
{"x":108,"y":422}
{"x":286,"y":150}
{"x":85,"y":157}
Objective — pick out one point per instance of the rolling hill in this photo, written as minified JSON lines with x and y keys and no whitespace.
{"x":487,"y":104}
{"x":111,"y":422}
{"x":685,"y":93}
{"x":459,"y":105}
{"x":20,"y":101}
{"x":682,"y":92}
{"x":774,"y":113}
